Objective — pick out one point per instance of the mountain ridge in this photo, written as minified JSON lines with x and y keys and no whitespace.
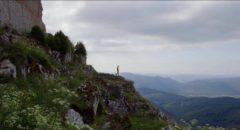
{"x":214,"y":87}
{"x":218,"y":111}
{"x":45,"y":83}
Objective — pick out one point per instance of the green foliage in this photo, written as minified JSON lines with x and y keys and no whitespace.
{"x":76,"y":78}
{"x":140,"y":122}
{"x":60,"y":42}
{"x":1,"y":30}
{"x":38,"y":34}
{"x":21,"y":51}
{"x":221,"y":111}
{"x":34,"y":103}
{"x":99,"y":122}
{"x":40,"y":103}
{"x":50,"y":40}
{"x":193,"y":125}
{"x":80,"y":49}
{"x":214,"y":111}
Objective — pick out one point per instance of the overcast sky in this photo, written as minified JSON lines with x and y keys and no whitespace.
{"x":156,"y":37}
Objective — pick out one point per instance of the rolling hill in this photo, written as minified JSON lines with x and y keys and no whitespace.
{"x":221,"y":111}
{"x":155,"y":82}
{"x":218,"y":87}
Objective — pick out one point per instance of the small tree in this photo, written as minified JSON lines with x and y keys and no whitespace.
{"x":62,"y":43}
{"x":49,"y":39}
{"x":80,"y":49}
{"x":38,"y":34}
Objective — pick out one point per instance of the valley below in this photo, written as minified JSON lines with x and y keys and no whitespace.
{"x":213,"y":102}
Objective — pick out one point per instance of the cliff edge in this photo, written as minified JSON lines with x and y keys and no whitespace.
{"x":45,"y":83}
{"x":21,"y":15}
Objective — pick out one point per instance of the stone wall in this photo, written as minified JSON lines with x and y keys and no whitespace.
{"x":21,"y":14}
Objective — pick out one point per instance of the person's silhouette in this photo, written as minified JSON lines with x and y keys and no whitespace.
{"x":118,"y":70}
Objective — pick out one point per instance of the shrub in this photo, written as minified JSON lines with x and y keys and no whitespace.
{"x":34,"y":103}
{"x":20,"y":51}
{"x":80,"y":49}
{"x":1,"y":30}
{"x":141,"y":122}
{"x":38,"y":34}
{"x":60,"y":42}
{"x":49,"y":39}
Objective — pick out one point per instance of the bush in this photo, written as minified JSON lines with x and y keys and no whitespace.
{"x":80,"y":49}
{"x":38,"y":34}
{"x":20,"y":51}
{"x":1,"y":30}
{"x":60,"y":42}
{"x":49,"y":39}
{"x":34,"y":103}
{"x":141,"y":122}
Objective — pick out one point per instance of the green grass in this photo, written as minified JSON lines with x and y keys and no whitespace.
{"x":20,"y":51}
{"x":35,"y":102}
{"x":1,"y":30}
{"x":99,"y":122}
{"x":140,"y":122}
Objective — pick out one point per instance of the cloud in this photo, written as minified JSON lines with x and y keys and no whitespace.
{"x":176,"y":22}
{"x":179,"y":21}
{"x":114,"y":30}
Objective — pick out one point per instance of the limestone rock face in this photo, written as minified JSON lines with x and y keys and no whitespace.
{"x":7,"y":69}
{"x":4,"y":38}
{"x":76,"y":119}
{"x":88,"y":69}
{"x":21,"y":15}
{"x":95,"y":104}
{"x":106,"y":126}
{"x":81,"y":59}
{"x":67,"y":58}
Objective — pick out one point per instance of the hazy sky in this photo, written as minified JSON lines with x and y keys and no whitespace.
{"x":156,"y":37}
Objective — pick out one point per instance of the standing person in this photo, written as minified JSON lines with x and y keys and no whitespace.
{"x":118,"y":70}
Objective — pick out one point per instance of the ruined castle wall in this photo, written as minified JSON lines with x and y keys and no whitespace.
{"x":21,"y":14}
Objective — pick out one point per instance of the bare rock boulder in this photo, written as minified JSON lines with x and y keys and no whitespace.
{"x":67,"y":58}
{"x":7,"y":69}
{"x":76,"y":119}
{"x":21,"y":15}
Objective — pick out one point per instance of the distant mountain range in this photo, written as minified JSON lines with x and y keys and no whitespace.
{"x":221,"y":111}
{"x":210,"y":101}
{"x":160,"y":83}
{"x":217,"y":87}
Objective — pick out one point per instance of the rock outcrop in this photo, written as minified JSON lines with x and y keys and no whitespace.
{"x":63,"y":86}
{"x":117,"y":98}
{"x":7,"y":69}
{"x":75,"y":119}
{"x":67,"y":58}
{"x":21,"y":15}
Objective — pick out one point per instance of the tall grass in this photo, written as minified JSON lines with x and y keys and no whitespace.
{"x":27,"y":51}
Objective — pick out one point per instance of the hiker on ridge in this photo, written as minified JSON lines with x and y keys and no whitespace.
{"x":118,"y":70}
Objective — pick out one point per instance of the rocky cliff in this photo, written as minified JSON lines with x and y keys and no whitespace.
{"x":39,"y":91}
{"x":42,"y":89}
{"x":21,"y":15}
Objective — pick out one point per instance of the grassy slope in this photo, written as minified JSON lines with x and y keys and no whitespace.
{"x":37,"y":102}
